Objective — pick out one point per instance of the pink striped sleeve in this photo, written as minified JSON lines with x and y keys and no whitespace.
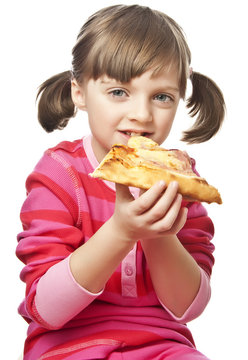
{"x":49,"y":216}
{"x":59,"y":297}
{"x":199,"y":303}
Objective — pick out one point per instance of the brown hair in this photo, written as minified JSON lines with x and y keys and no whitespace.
{"x":123,"y":42}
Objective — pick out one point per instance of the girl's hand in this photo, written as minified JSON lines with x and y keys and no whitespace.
{"x":155,"y":214}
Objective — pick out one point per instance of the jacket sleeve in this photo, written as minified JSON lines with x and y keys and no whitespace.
{"x":198,"y":232}
{"x":50,"y":217}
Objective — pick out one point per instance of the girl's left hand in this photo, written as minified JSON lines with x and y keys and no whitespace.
{"x":155,"y":214}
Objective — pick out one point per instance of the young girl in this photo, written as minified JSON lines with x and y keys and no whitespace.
{"x":112,"y":273}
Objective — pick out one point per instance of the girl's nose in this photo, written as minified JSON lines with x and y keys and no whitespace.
{"x":140,"y":110}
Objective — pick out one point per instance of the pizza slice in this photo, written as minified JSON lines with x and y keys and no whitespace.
{"x":142,"y":162}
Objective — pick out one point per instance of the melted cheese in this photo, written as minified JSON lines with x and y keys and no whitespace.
{"x":149,"y":151}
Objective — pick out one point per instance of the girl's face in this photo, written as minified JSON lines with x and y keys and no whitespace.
{"x":144,"y":106}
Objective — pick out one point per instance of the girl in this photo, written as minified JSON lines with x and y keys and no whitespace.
{"x":111,"y":273}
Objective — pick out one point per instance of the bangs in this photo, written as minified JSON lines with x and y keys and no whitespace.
{"x":135,"y":40}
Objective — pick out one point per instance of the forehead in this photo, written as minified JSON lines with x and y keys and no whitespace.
{"x":167,"y":75}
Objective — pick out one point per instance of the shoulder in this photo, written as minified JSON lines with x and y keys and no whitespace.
{"x":68,"y":148}
{"x":61,"y":163}
{"x":58,"y":173}
{"x":69,"y":154}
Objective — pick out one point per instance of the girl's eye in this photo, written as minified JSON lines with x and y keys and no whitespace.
{"x":163,"y":98}
{"x":118,"y":92}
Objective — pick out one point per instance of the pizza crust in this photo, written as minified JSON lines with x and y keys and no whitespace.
{"x":142,"y":163}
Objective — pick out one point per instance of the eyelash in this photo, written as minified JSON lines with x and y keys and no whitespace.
{"x":168,"y":98}
{"x":115,"y":91}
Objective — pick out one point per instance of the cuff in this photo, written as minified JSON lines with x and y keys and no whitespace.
{"x":59,"y":297}
{"x":199,"y":303}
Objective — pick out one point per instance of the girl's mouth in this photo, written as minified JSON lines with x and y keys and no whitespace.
{"x":132,"y":133}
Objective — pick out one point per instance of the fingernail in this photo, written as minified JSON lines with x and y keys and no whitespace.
{"x":162,"y":183}
{"x":173,"y":184}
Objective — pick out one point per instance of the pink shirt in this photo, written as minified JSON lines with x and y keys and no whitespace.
{"x":64,"y":207}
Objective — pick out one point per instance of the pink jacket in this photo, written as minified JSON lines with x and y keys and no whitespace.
{"x":63,"y":209}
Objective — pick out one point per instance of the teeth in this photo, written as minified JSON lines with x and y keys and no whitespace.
{"x":134,"y":133}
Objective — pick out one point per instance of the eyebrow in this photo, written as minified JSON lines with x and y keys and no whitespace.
{"x":172,"y":88}
{"x":168,"y":88}
{"x":102,"y":81}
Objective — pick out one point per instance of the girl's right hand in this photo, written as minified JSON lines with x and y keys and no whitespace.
{"x":155,"y":214}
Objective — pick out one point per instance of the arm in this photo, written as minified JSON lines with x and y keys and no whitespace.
{"x":175,"y":274}
{"x":182,"y":285}
{"x":49,"y":216}
{"x":94,"y":262}
{"x":195,"y":241}
{"x":72,"y":284}
{"x":50,"y":238}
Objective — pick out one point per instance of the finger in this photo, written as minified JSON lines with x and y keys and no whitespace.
{"x":123,"y":193}
{"x":166,"y":223}
{"x":180,"y":221}
{"x":162,"y":206}
{"x":142,"y":191}
{"x":149,"y":198}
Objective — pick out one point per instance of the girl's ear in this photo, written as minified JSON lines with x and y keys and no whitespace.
{"x":78,"y":95}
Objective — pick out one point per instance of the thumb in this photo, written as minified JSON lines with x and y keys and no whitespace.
{"x":123,"y":193}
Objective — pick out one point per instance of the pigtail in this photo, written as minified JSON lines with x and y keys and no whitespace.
{"x":207,"y":102}
{"x":55,"y":106}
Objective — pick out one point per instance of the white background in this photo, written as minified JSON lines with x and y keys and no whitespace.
{"x":36,"y":41}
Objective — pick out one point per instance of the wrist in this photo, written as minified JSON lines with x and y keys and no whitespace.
{"x":168,"y":240}
{"x":94,"y":262}
{"x":121,"y":235}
